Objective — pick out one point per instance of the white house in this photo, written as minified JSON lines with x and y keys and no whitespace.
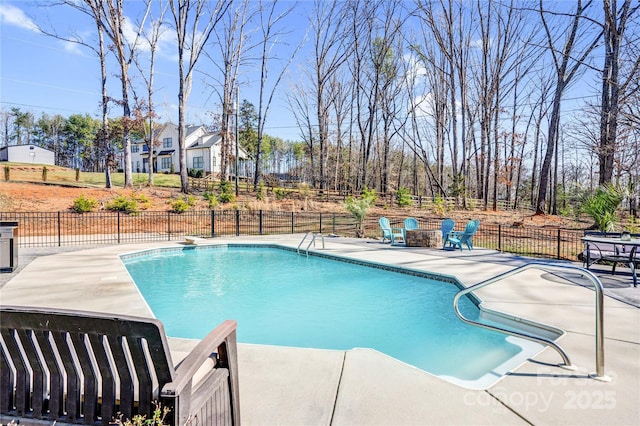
{"x":206,"y":154}
{"x":32,"y":154}
{"x":203,"y":151}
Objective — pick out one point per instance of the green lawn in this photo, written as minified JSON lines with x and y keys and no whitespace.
{"x":34,"y":173}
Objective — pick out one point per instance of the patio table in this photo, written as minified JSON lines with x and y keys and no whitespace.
{"x":623,"y":251}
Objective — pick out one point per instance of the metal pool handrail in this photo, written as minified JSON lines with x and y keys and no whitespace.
{"x":313,"y":241}
{"x":549,"y":268}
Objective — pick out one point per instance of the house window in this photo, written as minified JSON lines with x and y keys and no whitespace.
{"x":135,"y":148}
{"x":198,"y":163}
{"x":166,"y":163}
{"x":167,"y":143}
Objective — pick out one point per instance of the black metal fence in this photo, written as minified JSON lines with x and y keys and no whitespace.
{"x":67,"y":228}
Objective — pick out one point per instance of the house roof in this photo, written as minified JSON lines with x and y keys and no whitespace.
{"x":166,"y":152}
{"x":205,"y":141}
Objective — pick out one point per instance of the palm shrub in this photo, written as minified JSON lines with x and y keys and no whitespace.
{"x":358,"y":208}
{"x":602,"y":204}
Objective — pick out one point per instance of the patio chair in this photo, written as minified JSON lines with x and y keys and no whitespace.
{"x":456,"y":239}
{"x":86,"y":367}
{"x":446,"y":227}
{"x":389,"y":233}
{"x":410,"y":223}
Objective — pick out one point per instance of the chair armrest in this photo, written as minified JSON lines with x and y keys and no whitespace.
{"x":205,"y":350}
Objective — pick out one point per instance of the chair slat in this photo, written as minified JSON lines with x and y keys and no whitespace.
{"x":22,"y":379}
{"x":7,"y":379}
{"x":108,"y":379}
{"x":90,"y":392}
{"x":145,"y":386}
{"x":56,"y":384}
{"x":125,"y":376}
{"x":72,"y":401}
{"x":39,"y":388}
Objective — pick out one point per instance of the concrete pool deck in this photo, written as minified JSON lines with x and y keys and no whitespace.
{"x":295,"y":386}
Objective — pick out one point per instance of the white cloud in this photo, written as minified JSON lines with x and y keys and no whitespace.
{"x":12,"y":15}
{"x":73,"y":48}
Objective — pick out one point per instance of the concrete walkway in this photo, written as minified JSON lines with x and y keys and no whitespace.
{"x":296,"y":386}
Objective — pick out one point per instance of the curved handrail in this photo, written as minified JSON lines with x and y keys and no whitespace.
{"x":312,"y":241}
{"x":549,"y":268}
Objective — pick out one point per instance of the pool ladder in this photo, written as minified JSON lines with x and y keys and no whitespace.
{"x":312,"y":241}
{"x":599,"y":375}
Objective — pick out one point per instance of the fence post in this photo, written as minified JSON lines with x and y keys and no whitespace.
{"x":558,"y":243}
{"x":59,"y":237}
{"x":169,"y":226}
{"x":321,"y":222}
{"x":333,"y":226}
{"x":118,"y":226}
{"x":213,"y":223}
{"x":499,"y":237}
{"x":260,"y":222}
{"x":292,"y":223}
{"x":237,"y":223}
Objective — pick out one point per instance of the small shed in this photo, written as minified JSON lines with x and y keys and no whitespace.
{"x":32,"y":154}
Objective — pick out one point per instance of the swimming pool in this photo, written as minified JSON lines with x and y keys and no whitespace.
{"x":281,"y":298}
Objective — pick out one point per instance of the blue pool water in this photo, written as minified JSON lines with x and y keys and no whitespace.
{"x":281,"y":298}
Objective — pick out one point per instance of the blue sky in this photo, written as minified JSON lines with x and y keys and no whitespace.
{"x":40,"y":74}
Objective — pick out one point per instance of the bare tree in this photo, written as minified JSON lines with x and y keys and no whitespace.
{"x":94,"y":10}
{"x":615,"y":27}
{"x":152,"y":38}
{"x":271,"y":37}
{"x":566,"y":62}
{"x":231,"y":38}
{"x":194,"y":22}
{"x":330,"y":52}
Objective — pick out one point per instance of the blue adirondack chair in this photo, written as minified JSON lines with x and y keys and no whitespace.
{"x":409,"y":224}
{"x":446,"y":227}
{"x":456,"y":239}
{"x":389,"y":233}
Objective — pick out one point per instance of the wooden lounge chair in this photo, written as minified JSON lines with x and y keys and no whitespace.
{"x":84,"y":367}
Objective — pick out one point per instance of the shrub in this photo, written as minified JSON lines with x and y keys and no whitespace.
{"x":439,"y":206}
{"x":84,"y":204}
{"x":261,"y":194}
{"x":403,"y":197}
{"x":280,"y":193}
{"x":212,"y":199}
{"x":179,"y":206}
{"x":601,"y":206}
{"x":226,"y":192}
{"x":143,"y":200}
{"x":358,"y":208}
{"x":123,"y":204}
